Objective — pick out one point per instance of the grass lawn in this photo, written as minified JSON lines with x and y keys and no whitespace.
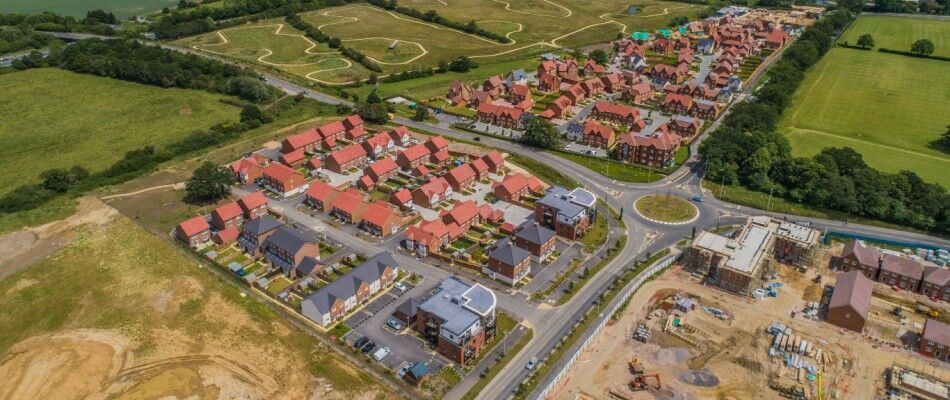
{"x":543,"y":172}
{"x":665,"y":208}
{"x":339,"y":330}
{"x":885,"y":106}
{"x":596,"y":236}
{"x":278,"y":285}
{"x":449,"y":376}
{"x":898,"y":33}
{"x":626,"y":172}
{"x":122,"y":290}
{"x":93,"y":123}
{"x":78,"y":8}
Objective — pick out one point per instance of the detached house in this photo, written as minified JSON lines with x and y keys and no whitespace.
{"x":227,"y":216}
{"x":461,"y":177}
{"x":195,"y":231}
{"x":400,"y":135}
{"x":569,"y":213}
{"x":253,"y":205}
{"x":593,"y":87}
{"x":936,"y":283}
{"x":494,"y":160}
{"x":493,"y":86}
{"x":638,"y":93}
{"x":286,"y":248}
{"x":379,"y":144}
{"x":321,"y":196}
{"x":413,"y":157}
{"x":515,"y":186}
{"x":549,"y":83}
{"x":458,"y":319}
{"x":597,"y":135}
{"x":459,"y":94}
{"x":683,"y":126}
{"x":382,"y":170}
{"x":330,"y":303}
{"x":536,"y":239}
{"x":935,"y":340}
{"x":380,"y":219}
{"x":850,"y":301}
{"x":307,"y":141}
{"x":432,"y":193}
{"x":342,"y":160}
{"x":678,"y":103}
{"x":248,"y":169}
{"x":507,"y":262}
{"x":349,"y":207}
{"x":557,"y":108}
{"x":705,"y":109}
{"x":592,"y":68}
{"x":283,"y":181}
{"x":255,"y":232}
{"x":507,"y":117}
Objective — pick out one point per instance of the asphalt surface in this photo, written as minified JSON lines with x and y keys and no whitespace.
{"x":643,"y":236}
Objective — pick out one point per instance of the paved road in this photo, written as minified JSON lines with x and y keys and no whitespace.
{"x":550,"y":325}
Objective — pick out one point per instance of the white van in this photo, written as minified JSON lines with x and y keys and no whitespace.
{"x":381,"y":353}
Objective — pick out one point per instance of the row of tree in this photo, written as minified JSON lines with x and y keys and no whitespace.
{"x":747,"y":149}
{"x":333,"y":42}
{"x":193,"y":21}
{"x":134,"y":61}
{"x":22,"y":37}
{"x":96,"y":21}
{"x":434,"y":17}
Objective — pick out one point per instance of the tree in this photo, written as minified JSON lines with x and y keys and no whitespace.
{"x":251,"y":89}
{"x":853,"y":6}
{"x":421,"y":113}
{"x":99,"y":16}
{"x":209,"y":183}
{"x":60,"y":180}
{"x":373,"y":78}
{"x":600,"y":56}
{"x":375,"y":113}
{"x":541,"y":133}
{"x":252,"y":112}
{"x":373,"y":97}
{"x":462,"y":64}
{"x":866,"y":41}
{"x":923,"y":47}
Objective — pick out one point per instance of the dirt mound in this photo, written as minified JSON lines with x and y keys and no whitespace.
{"x":44,"y":367}
{"x":701,"y":377}
{"x":671,"y":355}
{"x":670,"y":393}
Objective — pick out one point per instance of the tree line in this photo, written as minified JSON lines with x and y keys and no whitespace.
{"x":193,"y":21}
{"x":96,"y":22}
{"x":333,"y":42}
{"x":433,"y":16}
{"x":23,"y":37}
{"x":747,"y":149}
{"x":131,"y":60}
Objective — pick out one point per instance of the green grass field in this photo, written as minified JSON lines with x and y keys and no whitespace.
{"x":898,"y":33}
{"x":534,"y":26}
{"x":50,"y":118}
{"x":888,"y":107}
{"x":78,"y":8}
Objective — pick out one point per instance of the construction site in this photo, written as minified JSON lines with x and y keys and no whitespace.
{"x":680,"y":338}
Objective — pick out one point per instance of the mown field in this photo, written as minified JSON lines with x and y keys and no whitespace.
{"x":142,"y":320}
{"x":51,"y":118}
{"x":534,"y":26}
{"x":888,"y":107}
{"x":898,"y":33}
{"x":78,"y":8}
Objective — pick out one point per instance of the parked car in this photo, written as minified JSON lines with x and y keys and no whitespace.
{"x":368,"y":347}
{"x":477,"y":138}
{"x":395,"y":324}
{"x":381,"y":353}
{"x":360,"y":342}
{"x":405,"y":368}
{"x":567,"y":147}
{"x":401,"y":286}
{"x":531,"y":363}
{"x":697,"y":198}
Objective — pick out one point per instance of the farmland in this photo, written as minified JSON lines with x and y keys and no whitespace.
{"x":78,"y":8}
{"x":882,"y":105}
{"x":899,"y":33}
{"x":399,"y":43}
{"x":141,"y":320}
{"x":93,"y":123}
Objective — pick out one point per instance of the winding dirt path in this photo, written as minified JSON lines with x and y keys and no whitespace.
{"x":508,"y":8}
{"x":176,"y":186}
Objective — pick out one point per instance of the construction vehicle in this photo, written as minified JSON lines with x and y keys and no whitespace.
{"x":899,"y":312}
{"x":922,"y":309}
{"x":640,"y":382}
{"x":636,"y":367}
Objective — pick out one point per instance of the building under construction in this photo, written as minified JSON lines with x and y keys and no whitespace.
{"x":741,"y":263}
{"x":912,"y":384}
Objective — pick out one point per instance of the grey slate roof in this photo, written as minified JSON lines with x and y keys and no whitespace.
{"x":460,"y":304}
{"x":557,"y":198}
{"x":347,"y":285}
{"x":534,"y":233}
{"x":509,"y":254}
{"x":308,"y":265}
{"x":409,"y":307}
{"x":853,"y":289}
{"x":261,"y":225}
{"x":287,"y":239}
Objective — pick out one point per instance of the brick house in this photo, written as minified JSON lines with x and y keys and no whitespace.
{"x":592,"y":68}
{"x":380,"y":219}
{"x":507,"y":117}
{"x":413,"y":157}
{"x":494,"y":160}
{"x":227,"y":216}
{"x":493,"y":86}
{"x":283,"y":181}
{"x":575,"y":94}
{"x":519,"y":93}
{"x":432,"y":192}
{"x":436,"y":144}
{"x":684,"y":126}
{"x":615,"y":113}
{"x":464,"y":214}
{"x":507,"y":262}
{"x":248,"y":169}
{"x":549,"y":83}
{"x":254,"y":232}
{"x":344,"y":159}
{"x":458,"y":319}
{"x":850,"y":301}
{"x":902,"y":272}
{"x":705,"y":109}
{"x":536,"y":239}
{"x":253,"y":205}
{"x":461,"y":177}
{"x":332,"y":130}
{"x":331,"y":303}
{"x":293,"y":159}
{"x":569,"y":213}
{"x":593,"y":87}
{"x":667,"y":73}
{"x":858,"y":256}
{"x":286,"y":248}
{"x":515,"y":186}
{"x":613,"y":82}
{"x":677,"y":103}
{"x":597,"y":135}
{"x":638,"y":93}
{"x":459,"y":94}
{"x":349,"y":207}
{"x":936,"y":283}
{"x":321,"y":196}
{"x":657,"y":149}
{"x":400,"y":135}
{"x":935,"y":340}
{"x":480,"y":167}
{"x":307,"y":141}
{"x":379,"y":144}
{"x":194,"y":231}
{"x":382,"y":170}
{"x":557,"y":108}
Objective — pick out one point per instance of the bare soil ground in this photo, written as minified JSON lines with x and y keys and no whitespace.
{"x":139,"y":320}
{"x":728,"y":359}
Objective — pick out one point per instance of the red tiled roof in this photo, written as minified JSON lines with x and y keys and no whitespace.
{"x":641,"y":88}
{"x":352,"y":121}
{"x":322,"y":191}
{"x":193,"y":226}
{"x":658,"y":140}
{"x":245,"y":164}
{"x":366,"y":181}
{"x":348,"y":153}
{"x":281,"y":172}
{"x":433,"y":187}
{"x":292,"y":157}
{"x":520,"y":90}
{"x":617,"y":109}
{"x":350,"y":202}
{"x":592,"y":127}
{"x":382,"y":167}
{"x":421,"y":170}
{"x":479,"y":166}
{"x":462,"y":212}
{"x":416,"y":152}
{"x":491,"y":109}
{"x":402,"y":196}
{"x":493,"y":158}
{"x":381,"y":140}
{"x":493,"y":82}
{"x":378,"y":213}
{"x":441,"y":155}
{"x":675,"y":98}
{"x":462,"y":173}
{"x":314,"y":163}
{"x":299,"y":140}
{"x":252,"y":201}
{"x":399,"y":133}
{"x":331,"y":129}
{"x":228,"y":235}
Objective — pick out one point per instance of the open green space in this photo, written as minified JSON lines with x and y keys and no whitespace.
{"x":626,"y":172}
{"x":898,"y":33}
{"x":78,"y":8}
{"x":888,"y":107}
{"x":51,"y":118}
{"x":665,"y":208}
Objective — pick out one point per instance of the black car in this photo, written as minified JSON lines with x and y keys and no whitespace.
{"x":360,"y":342}
{"x":369,"y":347}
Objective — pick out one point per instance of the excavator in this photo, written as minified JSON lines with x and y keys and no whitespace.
{"x":636,"y":367}
{"x":639,"y":382}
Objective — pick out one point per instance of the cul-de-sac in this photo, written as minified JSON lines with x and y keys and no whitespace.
{"x":474,"y":199}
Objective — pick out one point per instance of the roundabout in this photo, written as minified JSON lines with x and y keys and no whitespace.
{"x":666,"y":209}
